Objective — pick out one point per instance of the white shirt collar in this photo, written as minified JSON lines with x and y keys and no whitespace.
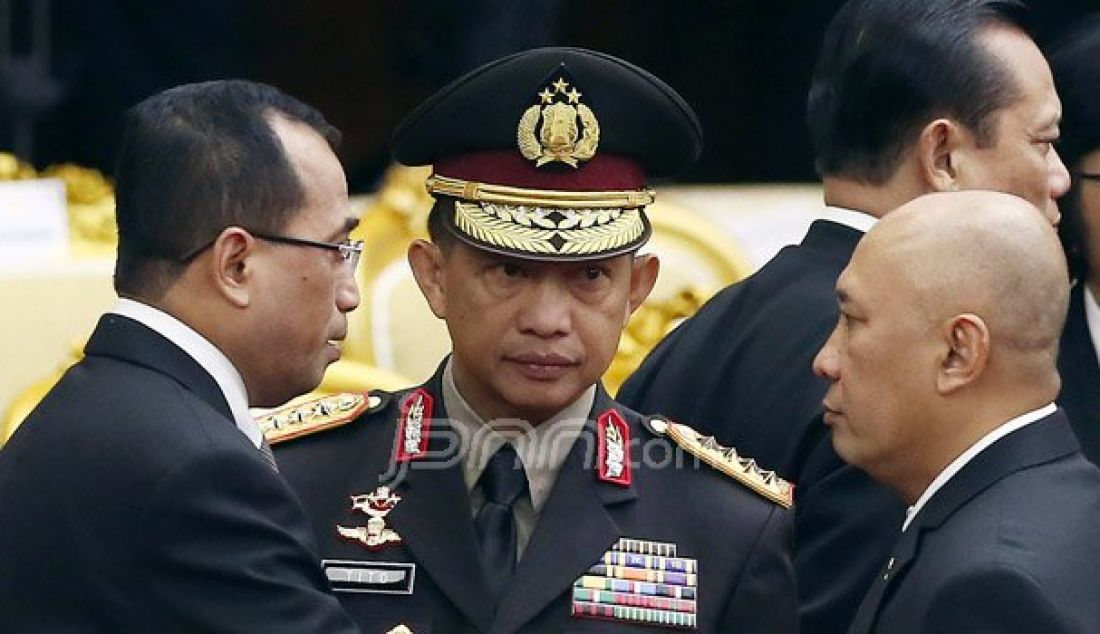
{"x":204,"y":353}
{"x":957,"y":464}
{"x":858,"y":220}
{"x":1092,"y":318}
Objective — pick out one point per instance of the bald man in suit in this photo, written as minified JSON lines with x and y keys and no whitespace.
{"x":943,"y":375}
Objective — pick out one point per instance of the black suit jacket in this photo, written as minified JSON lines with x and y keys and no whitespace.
{"x":739,"y":539}
{"x":1080,"y":372}
{"x":132,"y":503}
{"x":1007,"y":545}
{"x":741,"y":369}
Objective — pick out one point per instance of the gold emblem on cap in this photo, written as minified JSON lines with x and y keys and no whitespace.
{"x":559,"y":138}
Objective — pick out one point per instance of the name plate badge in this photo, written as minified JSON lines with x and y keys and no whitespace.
{"x":376,"y":577}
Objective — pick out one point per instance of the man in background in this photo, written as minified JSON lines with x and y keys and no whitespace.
{"x":1077,"y":76}
{"x":139,"y":495}
{"x":908,"y":97}
{"x":942,"y":371}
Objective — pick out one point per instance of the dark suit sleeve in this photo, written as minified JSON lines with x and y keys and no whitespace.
{"x":230,"y":551}
{"x":997,"y":601}
{"x":765,"y":600}
{"x":845,"y":525}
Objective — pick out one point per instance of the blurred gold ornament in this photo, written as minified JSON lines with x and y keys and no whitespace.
{"x":91,"y":203}
{"x":83,"y":185}
{"x":91,"y":200}
{"x":403,"y":195}
{"x":12,"y":169}
{"x":646,"y":328}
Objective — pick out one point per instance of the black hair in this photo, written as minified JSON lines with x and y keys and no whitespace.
{"x":437,"y":223}
{"x":888,"y":67}
{"x":194,"y":160}
{"x":1075,"y":60}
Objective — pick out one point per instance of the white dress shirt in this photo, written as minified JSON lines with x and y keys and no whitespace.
{"x":1021,"y":421}
{"x":858,"y":220}
{"x":204,"y":353}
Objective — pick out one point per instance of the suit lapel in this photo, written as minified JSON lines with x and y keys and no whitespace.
{"x":573,"y":531}
{"x":434,"y":518}
{"x":1077,"y":346}
{"x":1047,"y":439}
{"x":128,"y":340}
{"x":892,"y":572}
{"x":1080,"y":371}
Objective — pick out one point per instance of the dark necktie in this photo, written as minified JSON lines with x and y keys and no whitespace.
{"x":268,"y":455}
{"x":503,"y":481}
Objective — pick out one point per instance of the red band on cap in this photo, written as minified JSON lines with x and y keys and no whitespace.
{"x":604,"y":172}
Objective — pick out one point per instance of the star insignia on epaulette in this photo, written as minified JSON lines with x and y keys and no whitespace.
{"x":298,"y":419}
{"x":728,"y":461}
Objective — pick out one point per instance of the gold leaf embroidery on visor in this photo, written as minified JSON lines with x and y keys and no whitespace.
{"x":548,"y":230}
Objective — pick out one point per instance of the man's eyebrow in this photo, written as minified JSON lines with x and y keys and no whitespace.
{"x":350,"y":223}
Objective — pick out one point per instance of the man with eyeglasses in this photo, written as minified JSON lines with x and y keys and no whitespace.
{"x":140,"y":496}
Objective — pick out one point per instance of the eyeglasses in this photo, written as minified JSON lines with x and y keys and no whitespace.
{"x":350,"y":250}
{"x":1085,"y":176}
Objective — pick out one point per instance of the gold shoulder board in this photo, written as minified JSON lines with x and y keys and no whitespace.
{"x":727,"y":460}
{"x":302,"y":418}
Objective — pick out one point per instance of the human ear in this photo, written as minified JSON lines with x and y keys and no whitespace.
{"x":231,"y":265}
{"x":427,"y":260}
{"x":940,"y":148}
{"x":643,"y":276}
{"x":967,"y":339}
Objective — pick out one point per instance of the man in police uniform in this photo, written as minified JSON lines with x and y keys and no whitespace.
{"x":510,"y":492}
